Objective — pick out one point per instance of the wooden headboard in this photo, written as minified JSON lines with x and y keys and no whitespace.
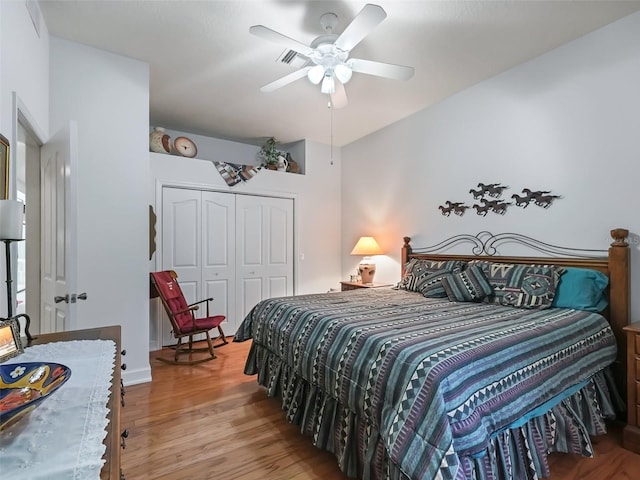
{"x":614,"y":263}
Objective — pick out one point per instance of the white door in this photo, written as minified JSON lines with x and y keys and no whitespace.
{"x":182,"y":244}
{"x":198,"y":242}
{"x":219,"y":256}
{"x":264,"y":266}
{"x":59,"y":158}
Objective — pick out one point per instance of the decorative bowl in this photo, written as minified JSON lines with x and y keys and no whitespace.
{"x":23,"y":386}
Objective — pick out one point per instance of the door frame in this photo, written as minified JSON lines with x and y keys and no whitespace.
{"x":21,"y":116}
{"x":155,"y":314}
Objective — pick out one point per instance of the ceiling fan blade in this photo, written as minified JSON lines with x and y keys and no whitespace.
{"x":368,"y":18}
{"x":388,"y":70}
{"x":272,"y":35}
{"x":286,"y":80}
{"x":339,"y":97}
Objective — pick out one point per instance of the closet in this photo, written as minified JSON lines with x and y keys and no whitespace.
{"x":233,"y":247}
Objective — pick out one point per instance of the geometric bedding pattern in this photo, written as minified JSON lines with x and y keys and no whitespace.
{"x":401,"y":386}
{"x":418,"y":272}
{"x":469,"y":285}
{"x":522,"y":286}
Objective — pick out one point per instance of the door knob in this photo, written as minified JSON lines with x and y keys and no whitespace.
{"x":76,"y":297}
{"x":58,"y":299}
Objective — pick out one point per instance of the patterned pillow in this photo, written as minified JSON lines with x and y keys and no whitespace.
{"x":469,"y":285}
{"x":522,"y":286}
{"x":415,"y":270}
{"x":430,"y":285}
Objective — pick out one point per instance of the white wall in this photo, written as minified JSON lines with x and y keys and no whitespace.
{"x":24,"y":66}
{"x":108,"y":95}
{"x":24,"y":70}
{"x":567,"y":122}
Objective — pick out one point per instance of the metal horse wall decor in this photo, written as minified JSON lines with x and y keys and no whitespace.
{"x":489,"y":200}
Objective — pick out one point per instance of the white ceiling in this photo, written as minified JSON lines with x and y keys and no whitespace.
{"x":206,"y":69}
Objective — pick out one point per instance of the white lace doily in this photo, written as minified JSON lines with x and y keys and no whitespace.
{"x":62,"y":438}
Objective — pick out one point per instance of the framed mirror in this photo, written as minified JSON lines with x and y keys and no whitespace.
{"x":10,"y":343}
{"x":4,"y":168}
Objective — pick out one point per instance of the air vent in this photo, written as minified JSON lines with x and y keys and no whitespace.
{"x":292,"y":58}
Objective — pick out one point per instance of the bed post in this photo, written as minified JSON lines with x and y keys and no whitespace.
{"x":619,"y":297}
{"x":406,"y":251}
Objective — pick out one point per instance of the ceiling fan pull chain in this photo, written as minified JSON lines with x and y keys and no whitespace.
{"x":330,"y":131}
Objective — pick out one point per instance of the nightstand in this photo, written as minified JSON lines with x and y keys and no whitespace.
{"x":631,"y":433}
{"x":354,"y":286}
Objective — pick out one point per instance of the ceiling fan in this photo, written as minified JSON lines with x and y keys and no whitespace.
{"x":326,"y":59}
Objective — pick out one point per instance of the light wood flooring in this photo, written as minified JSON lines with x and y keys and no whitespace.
{"x":210,"y":421}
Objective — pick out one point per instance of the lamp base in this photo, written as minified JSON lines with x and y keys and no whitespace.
{"x":367,"y":272}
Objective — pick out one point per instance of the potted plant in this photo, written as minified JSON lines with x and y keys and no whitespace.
{"x":269,"y":154}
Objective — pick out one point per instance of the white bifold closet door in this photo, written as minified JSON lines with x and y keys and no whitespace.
{"x":235,"y":248}
{"x":264,"y":250}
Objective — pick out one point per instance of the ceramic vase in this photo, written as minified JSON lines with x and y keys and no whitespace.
{"x":159,"y":141}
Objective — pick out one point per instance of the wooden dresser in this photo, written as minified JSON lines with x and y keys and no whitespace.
{"x":631,"y":433}
{"x":114,"y":440}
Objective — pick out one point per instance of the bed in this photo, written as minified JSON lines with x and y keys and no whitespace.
{"x":481,"y":382}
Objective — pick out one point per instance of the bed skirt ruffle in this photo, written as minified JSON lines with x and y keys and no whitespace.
{"x":516,"y":453}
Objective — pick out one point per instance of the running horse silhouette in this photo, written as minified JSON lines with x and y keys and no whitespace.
{"x":541,"y":198}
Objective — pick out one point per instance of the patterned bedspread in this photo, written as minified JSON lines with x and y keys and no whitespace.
{"x":435,"y":381}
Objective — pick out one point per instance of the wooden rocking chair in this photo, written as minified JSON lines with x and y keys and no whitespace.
{"x":183,"y":319}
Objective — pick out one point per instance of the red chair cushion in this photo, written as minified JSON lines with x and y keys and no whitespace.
{"x":209,"y":322}
{"x":171,"y":292}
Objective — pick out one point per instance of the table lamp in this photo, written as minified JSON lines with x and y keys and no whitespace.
{"x":11,"y":221}
{"x":367,"y":246}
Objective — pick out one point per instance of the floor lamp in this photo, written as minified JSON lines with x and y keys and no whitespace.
{"x":11,"y":218}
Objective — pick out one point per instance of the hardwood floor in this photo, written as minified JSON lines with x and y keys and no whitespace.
{"x":210,"y":421}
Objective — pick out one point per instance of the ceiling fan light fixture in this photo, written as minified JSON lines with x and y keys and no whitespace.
{"x":343,"y":73}
{"x":328,"y":84}
{"x":316,"y":74}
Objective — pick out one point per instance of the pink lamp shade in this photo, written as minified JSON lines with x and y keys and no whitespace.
{"x":367,"y":246}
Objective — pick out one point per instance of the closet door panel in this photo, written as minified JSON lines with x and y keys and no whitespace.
{"x":181,"y":224}
{"x":250,"y":293}
{"x":182,"y":245}
{"x":265,"y":239}
{"x":219,"y":255}
{"x":279,"y":232}
{"x":250,"y":217}
{"x":219,"y":291}
{"x":278,"y":286}
{"x":279,"y":247}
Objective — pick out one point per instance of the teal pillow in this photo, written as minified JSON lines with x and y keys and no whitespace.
{"x":582,"y":289}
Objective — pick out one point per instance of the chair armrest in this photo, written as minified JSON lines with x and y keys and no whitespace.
{"x":202,"y":301}
{"x":190,"y":308}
